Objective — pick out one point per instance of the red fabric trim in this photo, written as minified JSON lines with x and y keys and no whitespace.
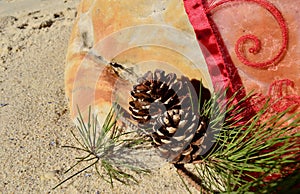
{"x":223,"y":72}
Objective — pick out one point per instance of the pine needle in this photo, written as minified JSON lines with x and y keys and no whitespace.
{"x":104,"y":147}
{"x":255,"y":146}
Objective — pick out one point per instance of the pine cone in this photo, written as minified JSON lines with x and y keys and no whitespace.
{"x":178,"y":135}
{"x":157,"y":93}
{"x":166,"y":109}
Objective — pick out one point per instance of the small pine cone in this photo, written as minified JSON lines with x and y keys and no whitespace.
{"x":157,"y":93}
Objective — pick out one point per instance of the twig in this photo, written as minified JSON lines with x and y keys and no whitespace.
{"x":192,"y":179}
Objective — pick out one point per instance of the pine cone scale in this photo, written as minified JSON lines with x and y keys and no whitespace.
{"x":139,"y":105}
{"x":142,"y":88}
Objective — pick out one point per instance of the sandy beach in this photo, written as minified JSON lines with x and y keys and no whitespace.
{"x":34,"y":114}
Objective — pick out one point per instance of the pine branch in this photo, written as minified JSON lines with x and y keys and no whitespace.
{"x":108,"y":148}
{"x":247,"y":147}
{"x":190,"y":177}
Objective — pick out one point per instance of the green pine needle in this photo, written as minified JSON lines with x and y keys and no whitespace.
{"x":105,"y":149}
{"x":255,"y":146}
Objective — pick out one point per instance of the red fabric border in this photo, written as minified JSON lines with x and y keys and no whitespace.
{"x":223,"y":72}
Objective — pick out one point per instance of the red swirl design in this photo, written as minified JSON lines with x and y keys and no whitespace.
{"x":257,"y":46}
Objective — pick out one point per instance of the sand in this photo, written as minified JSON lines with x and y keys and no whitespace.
{"x":34,"y":115}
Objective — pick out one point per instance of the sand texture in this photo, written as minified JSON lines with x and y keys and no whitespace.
{"x":34,"y":114}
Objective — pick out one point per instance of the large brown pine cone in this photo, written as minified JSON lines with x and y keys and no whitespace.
{"x":166,"y":109}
